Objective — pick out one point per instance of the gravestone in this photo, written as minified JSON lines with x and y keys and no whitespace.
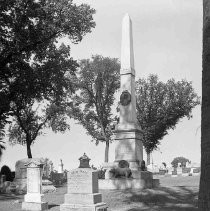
{"x":2,"y":183}
{"x":179,"y":169}
{"x":33,"y":200}
{"x":82,"y":190}
{"x":170,"y":170}
{"x":21,"y":175}
{"x":188,"y":164}
{"x":174,"y":173}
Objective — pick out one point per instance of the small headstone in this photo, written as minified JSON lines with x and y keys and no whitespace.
{"x":84,"y":161}
{"x":162,"y":172}
{"x":170,"y":170}
{"x":179,"y":170}
{"x":82,"y":191}
{"x":2,"y":183}
{"x":188,"y":164}
{"x":33,"y":200}
{"x":108,"y":174}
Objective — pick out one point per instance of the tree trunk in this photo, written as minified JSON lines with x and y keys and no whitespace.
{"x":29,"y":150}
{"x":148,"y":158}
{"x":204,"y":189}
{"x":106,"y":160}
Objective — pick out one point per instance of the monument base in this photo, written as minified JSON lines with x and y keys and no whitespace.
{"x":21,"y":184}
{"x":33,"y":206}
{"x":139,"y":180}
{"x":82,"y":198}
{"x":78,"y":207}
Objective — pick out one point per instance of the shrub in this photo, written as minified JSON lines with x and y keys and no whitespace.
{"x":101,"y":173}
{"x":5,"y":170}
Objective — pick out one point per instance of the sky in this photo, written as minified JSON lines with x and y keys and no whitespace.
{"x":167,"y":38}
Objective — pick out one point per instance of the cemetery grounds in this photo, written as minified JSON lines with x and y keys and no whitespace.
{"x":174,"y":193}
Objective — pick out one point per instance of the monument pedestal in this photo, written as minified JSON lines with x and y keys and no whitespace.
{"x":78,"y":207}
{"x":129,"y":147}
{"x":139,"y":180}
{"x":34,"y":206}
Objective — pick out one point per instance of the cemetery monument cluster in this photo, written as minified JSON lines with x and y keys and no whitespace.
{"x":128,"y":171}
{"x":82,"y":188}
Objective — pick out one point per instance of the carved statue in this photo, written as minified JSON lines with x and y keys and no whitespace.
{"x":122,"y":171}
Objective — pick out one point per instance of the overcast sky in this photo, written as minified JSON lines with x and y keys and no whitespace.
{"x":167,"y":36}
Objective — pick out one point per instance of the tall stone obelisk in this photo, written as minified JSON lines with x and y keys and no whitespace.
{"x":128,"y":134}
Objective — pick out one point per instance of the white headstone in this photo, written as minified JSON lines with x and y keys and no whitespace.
{"x":33,"y":200}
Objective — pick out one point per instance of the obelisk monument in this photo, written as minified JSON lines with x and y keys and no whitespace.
{"x":128,"y":134}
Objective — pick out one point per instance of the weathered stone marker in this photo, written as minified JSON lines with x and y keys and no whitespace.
{"x":82,"y":192}
{"x":33,"y":200}
{"x":21,"y":175}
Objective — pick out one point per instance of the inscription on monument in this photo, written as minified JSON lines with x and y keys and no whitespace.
{"x":33,"y":184}
{"x":81,"y":181}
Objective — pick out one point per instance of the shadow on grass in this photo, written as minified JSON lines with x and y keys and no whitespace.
{"x":52,"y":205}
{"x":7,"y":197}
{"x":171,"y":208}
{"x":179,"y":198}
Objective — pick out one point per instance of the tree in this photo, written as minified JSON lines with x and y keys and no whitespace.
{"x":2,"y":147}
{"x":163,"y":163}
{"x":181,"y":160}
{"x":5,"y":170}
{"x":29,"y":122}
{"x":204,"y":188}
{"x":29,"y":30}
{"x":34,"y":69}
{"x":160,"y":106}
{"x":97,"y":82}
{"x":2,"y":134}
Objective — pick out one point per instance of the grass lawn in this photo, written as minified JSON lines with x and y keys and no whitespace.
{"x":179,"y":193}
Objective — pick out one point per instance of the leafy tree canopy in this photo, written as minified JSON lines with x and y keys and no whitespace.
{"x":96,"y":84}
{"x":181,"y":160}
{"x":33,"y":69}
{"x":161,"y":105}
{"x":2,"y":147}
{"x":31,"y":65}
